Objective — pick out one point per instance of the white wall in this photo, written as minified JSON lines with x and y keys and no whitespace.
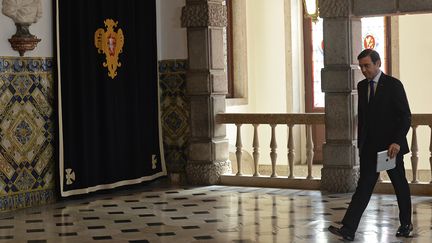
{"x":172,"y":41}
{"x":42,"y":29}
{"x":271,"y":84}
{"x":415,"y":51}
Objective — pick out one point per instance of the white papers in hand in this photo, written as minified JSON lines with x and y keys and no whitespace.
{"x":384,"y":162}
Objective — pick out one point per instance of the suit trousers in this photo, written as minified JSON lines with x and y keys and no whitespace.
{"x":365,"y":187}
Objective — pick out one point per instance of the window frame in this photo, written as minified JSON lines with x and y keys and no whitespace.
{"x":229,"y":43}
{"x":236,"y":53}
{"x":308,"y":64}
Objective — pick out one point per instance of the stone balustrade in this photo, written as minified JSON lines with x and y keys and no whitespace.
{"x":419,"y":120}
{"x":274,"y":119}
{"x":308,"y":120}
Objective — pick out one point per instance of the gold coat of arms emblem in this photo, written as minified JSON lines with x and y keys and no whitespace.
{"x":111,"y":44}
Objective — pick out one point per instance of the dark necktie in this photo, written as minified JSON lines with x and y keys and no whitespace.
{"x":372,"y":90}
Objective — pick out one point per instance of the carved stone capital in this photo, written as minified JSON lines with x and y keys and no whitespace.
{"x":206,"y":173}
{"x":204,"y":14}
{"x":334,"y":8}
{"x":339,"y":180}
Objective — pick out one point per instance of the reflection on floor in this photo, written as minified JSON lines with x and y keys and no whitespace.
{"x":209,"y":214}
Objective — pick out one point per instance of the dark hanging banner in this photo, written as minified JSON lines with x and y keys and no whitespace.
{"x":109,"y":131}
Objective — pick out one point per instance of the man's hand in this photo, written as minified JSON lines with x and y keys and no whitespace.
{"x":393,"y":150}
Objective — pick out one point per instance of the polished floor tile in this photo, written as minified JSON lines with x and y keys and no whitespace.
{"x":161,"y":213}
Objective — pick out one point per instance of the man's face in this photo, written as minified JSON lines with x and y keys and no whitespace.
{"x":368,"y":68}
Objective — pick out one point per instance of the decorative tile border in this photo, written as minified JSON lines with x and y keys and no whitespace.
{"x":26,"y":199}
{"x":175,"y":113}
{"x":26,"y":132}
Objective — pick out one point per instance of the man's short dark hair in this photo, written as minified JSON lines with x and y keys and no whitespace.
{"x":369,"y":52}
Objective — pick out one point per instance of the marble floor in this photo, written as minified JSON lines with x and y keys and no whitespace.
{"x":162,"y":213}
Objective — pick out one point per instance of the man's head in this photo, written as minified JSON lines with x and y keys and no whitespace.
{"x":369,"y":62}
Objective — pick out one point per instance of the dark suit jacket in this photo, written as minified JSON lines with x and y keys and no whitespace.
{"x":384,"y":120}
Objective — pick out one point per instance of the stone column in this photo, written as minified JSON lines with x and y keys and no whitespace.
{"x":342,"y":43}
{"x":206,"y":87}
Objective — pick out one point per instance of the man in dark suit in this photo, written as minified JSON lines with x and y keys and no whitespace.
{"x":384,"y":118}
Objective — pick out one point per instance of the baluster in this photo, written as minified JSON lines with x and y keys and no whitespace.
{"x":291,"y":153}
{"x":239,"y":150}
{"x":273,"y":146}
{"x":430,"y":150}
{"x":414,"y":154}
{"x":309,"y":150}
{"x":255,"y":153}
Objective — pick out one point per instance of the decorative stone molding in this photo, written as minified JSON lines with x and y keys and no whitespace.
{"x":208,"y":173}
{"x":335,"y":8}
{"x":373,"y":7}
{"x":339,"y":180}
{"x":205,"y":14}
{"x":414,"y":6}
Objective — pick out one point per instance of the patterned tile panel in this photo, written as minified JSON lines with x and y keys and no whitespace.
{"x":175,"y":113}
{"x":26,"y":132}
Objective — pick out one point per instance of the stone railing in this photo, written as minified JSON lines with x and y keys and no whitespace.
{"x":308,"y":120}
{"x":272,"y":120}
{"x":419,"y":120}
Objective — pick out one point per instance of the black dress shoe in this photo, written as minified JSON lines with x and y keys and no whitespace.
{"x":404,"y":230}
{"x":341,"y":232}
